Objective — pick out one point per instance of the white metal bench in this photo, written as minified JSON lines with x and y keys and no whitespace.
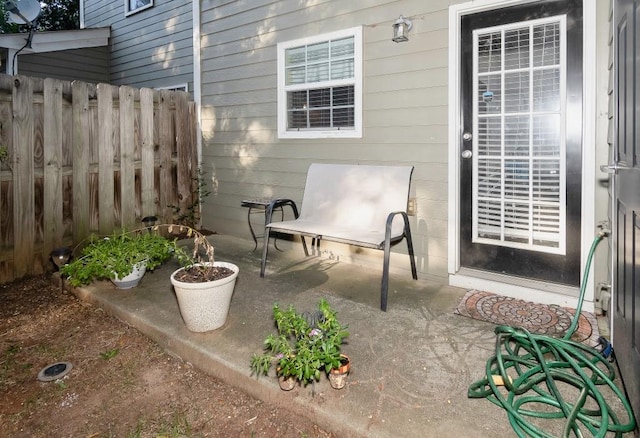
{"x":358,"y":205}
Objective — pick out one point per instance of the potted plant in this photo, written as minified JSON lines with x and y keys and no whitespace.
{"x":203,"y":286}
{"x":305,"y":344}
{"x":122,"y":257}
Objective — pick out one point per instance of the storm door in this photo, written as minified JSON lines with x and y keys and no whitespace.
{"x":626,"y":197}
{"x":521,"y":141}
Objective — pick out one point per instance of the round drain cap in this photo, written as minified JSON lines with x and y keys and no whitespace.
{"x":54,"y":371}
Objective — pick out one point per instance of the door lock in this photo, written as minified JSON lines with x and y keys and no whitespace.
{"x":467,"y":136}
{"x":466,"y":154}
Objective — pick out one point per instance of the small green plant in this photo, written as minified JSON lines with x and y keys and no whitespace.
{"x":305,"y":345}
{"x":109,"y":354}
{"x":4,"y":154}
{"x":116,"y":255}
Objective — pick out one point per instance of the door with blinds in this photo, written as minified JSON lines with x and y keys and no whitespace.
{"x":521,"y":141}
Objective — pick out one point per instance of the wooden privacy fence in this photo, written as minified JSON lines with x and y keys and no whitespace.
{"x":84,"y":158}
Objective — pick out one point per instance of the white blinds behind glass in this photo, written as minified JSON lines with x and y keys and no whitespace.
{"x":519,"y":124}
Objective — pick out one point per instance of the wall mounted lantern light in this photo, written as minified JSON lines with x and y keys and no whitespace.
{"x":401,"y":29}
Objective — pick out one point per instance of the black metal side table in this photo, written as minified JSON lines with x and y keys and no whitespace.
{"x":267,"y":206}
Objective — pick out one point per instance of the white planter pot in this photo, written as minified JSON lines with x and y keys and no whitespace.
{"x":131,"y":280}
{"x":205,"y":306}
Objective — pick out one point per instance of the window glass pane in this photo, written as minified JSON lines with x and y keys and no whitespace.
{"x":320,"y":98}
{"x":489,"y":94}
{"x":320,"y":118}
{"x":295,"y":75}
{"x":489,"y":225}
{"x":343,"y":117}
{"x":546,"y":90}
{"x":342,"y":69}
{"x":516,"y":48}
{"x":137,"y":4}
{"x":297,"y":119}
{"x":489,"y":136}
{"x":546,"y":44}
{"x":318,"y":52}
{"x":516,"y":179}
{"x":489,"y":178}
{"x":343,"y":96}
{"x":318,"y":72}
{"x":516,"y":222}
{"x":489,"y":52}
{"x":516,"y":135}
{"x":342,"y":48}
{"x":546,"y":180}
{"x":295,"y":56}
{"x":516,"y":92}
{"x":297,"y":99}
{"x":546,"y":135}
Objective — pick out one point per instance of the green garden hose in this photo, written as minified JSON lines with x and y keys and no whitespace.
{"x":537,"y":377}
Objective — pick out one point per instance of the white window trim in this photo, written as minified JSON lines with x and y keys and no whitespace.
{"x":356,"y":32}
{"x":176,"y":87}
{"x":128,"y":11}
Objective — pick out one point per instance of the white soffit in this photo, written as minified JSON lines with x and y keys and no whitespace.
{"x":54,"y":41}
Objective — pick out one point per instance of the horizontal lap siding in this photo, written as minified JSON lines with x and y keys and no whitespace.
{"x":405,"y":108}
{"x":152,"y":48}
{"x":88,"y":65}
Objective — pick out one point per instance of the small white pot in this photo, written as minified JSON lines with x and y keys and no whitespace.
{"x":131,"y":280}
{"x":205,"y":306}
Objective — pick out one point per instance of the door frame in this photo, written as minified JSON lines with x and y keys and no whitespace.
{"x":502,"y":284}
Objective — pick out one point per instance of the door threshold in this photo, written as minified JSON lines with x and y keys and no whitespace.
{"x":520,"y":288}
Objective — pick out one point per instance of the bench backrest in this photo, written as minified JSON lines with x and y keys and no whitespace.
{"x":356,"y":196}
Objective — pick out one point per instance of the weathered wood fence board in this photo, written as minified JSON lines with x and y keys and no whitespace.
{"x":87,"y":159}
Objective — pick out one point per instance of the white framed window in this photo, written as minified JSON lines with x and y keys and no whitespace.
{"x":134,"y":6}
{"x":320,"y":86}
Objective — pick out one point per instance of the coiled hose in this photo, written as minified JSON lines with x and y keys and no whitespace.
{"x":547,"y":378}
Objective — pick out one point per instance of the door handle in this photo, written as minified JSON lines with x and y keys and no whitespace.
{"x":613,"y":168}
{"x":466,"y":154}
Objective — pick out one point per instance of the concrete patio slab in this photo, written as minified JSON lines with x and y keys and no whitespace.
{"x":411,"y":365}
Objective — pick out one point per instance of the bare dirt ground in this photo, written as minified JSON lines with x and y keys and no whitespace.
{"x":121,"y":384}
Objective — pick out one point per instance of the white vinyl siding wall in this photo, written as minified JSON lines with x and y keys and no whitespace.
{"x":151,"y":48}
{"x":404,"y":112}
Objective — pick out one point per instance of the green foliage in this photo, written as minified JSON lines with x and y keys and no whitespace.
{"x":191,"y":216}
{"x":305,"y":345}
{"x":55,"y":15}
{"x":109,"y":354}
{"x":4,"y":154}
{"x":106,"y":257}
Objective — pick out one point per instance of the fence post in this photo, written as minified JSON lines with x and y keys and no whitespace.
{"x":23,"y":176}
{"x":166,"y":149}
{"x":80,"y":122}
{"x":105,"y":159}
{"x":147,"y":153}
{"x":53,"y":161}
{"x":127,"y":172}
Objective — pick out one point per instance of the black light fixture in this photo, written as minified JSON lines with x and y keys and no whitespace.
{"x":60,"y":257}
{"x":149,"y":221}
{"x":401,"y":29}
